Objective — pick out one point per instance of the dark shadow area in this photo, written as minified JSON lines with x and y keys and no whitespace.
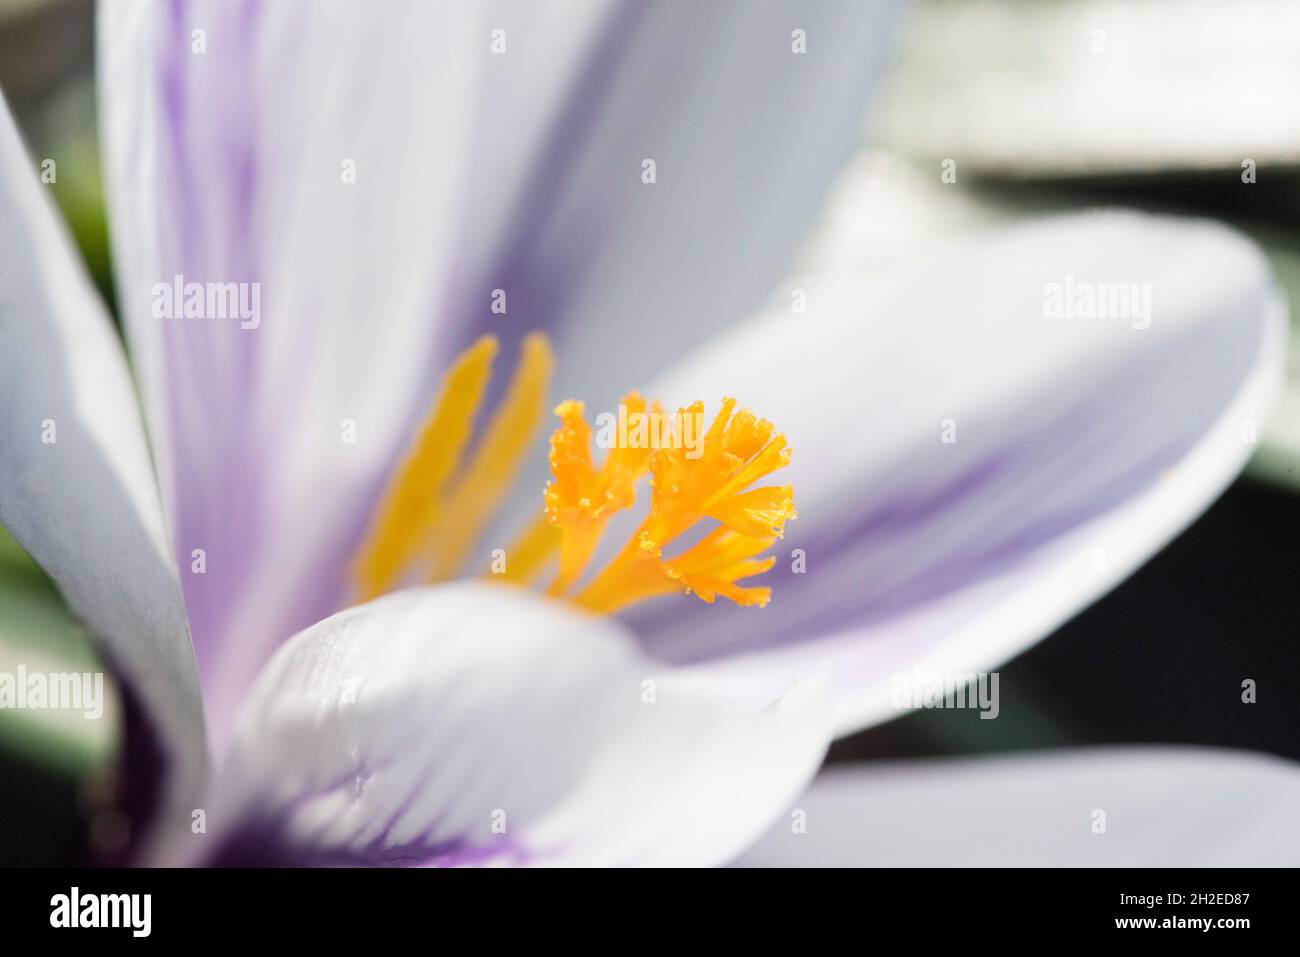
{"x":53,"y":830}
{"x":1159,"y":660}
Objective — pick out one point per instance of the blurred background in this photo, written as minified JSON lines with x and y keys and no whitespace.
{"x":1038,"y":105}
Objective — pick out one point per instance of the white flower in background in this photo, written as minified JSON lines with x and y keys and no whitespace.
{"x":388,"y":182}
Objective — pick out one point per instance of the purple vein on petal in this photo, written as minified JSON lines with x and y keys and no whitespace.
{"x":208,"y":234}
{"x":516,"y":265}
{"x":1079,"y":433}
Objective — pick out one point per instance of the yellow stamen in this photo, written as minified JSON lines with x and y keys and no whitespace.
{"x":709,"y":568}
{"x":691,"y":482}
{"x":411,"y":505}
{"x":737,"y":451}
{"x":491,"y":472}
{"x":723,"y":557}
{"x":531,"y":551}
{"x":582,"y":499}
{"x":435,"y":505}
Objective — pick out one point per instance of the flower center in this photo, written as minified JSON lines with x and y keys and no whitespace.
{"x":436,"y":505}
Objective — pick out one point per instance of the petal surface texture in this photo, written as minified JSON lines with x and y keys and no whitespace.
{"x":380,"y":170}
{"x":77,"y":489}
{"x":1160,"y":807}
{"x":972,"y":468}
{"x":479,"y":723}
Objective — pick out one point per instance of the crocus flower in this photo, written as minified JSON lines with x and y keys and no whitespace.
{"x":304,"y":514}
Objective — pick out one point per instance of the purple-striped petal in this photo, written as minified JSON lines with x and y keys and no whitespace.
{"x":971,"y":469}
{"x":227,"y":130}
{"x":478,"y":723}
{"x":230,"y":129}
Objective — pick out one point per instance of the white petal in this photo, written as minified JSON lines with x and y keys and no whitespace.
{"x":473,"y":171}
{"x":76,"y":486}
{"x":401,"y":731}
{"x":746,"y":136}
{"x":1082,"y":446}
{"x":228,"y":129}
{"x":1161,"y":807}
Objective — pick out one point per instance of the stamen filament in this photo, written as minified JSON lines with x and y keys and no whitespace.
{"x":412,"y":502}
{"x":530,"y":552}
{"x":479,"y":490}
